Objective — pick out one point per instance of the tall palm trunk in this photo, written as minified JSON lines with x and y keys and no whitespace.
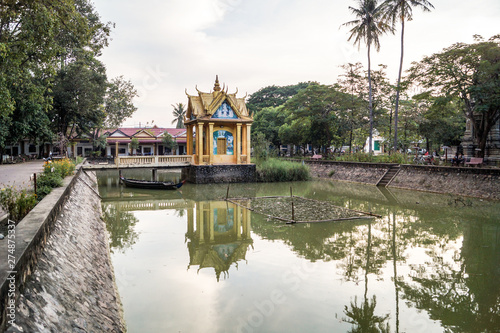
{"x":370,"y":103}
{"x":398,"y":87}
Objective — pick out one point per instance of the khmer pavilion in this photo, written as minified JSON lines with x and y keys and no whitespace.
{"x":219,"y":124}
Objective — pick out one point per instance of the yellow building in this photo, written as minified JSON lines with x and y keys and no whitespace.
{"x":218,"y":235}
{"x":222,"y":126}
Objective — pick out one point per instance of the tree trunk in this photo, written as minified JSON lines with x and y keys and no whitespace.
{"x":370,"y":98}
{"x":398,"y":87}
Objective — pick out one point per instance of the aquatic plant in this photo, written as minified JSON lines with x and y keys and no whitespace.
{"x":275,"y":170}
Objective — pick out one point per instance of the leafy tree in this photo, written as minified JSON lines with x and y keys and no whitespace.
{"x":268,"y":121}
{"x":368,"y":27}
{"x":168,"y":141}
{"x":78,"y":94}
{"x":353,"y":83}
{"x":320,"y":110}
{"x":273,"y":96}
{"x":118,"y":103}
{"x":134,"y":144}
{"x":441,"y":121}
{"x":179,"y":113}
{"x":38,"y":38}
{"x":401,"y":10}
{"x":471,"y":74}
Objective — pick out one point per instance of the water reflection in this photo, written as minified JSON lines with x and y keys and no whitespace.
{"x":218,"y":235}
{"x":431,"y":263}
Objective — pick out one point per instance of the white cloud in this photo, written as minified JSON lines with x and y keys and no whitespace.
{"x":252,"y":44}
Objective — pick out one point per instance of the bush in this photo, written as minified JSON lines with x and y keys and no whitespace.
{"x":17,"y":204}
{"x":42,"y":191}
{"x":46,"y":182}
{"x":370,"y":158}
{"x":63,"y":168}
{"x":274,"y":170}
{"x":49,"y":179}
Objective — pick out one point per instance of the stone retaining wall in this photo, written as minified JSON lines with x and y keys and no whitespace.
{"x":66,"y":281}
{"x":474,"y":182}
{"x":210,"y":174}
{"x":468,"y":181}
{"x":366,"y":173}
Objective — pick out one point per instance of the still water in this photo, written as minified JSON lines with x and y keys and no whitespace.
{"x":188,"y":261}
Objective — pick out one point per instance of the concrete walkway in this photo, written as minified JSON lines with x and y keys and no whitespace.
{"x":18,"y":175}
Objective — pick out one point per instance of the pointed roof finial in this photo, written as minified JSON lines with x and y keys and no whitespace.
{"x":217,"y":85}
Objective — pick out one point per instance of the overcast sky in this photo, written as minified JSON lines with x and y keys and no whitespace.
{"x":167,"y":46}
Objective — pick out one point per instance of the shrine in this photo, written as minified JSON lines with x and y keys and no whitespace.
{"x":222,"y":126}
{"x":218,"y":129}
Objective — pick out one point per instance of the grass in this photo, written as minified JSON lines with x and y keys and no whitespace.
{"x":275,"y":170}
{"x":364,"y":157}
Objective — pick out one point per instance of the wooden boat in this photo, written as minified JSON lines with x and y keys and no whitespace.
{"x":148,"y":184}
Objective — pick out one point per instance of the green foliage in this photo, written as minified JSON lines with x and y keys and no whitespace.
{"x":38,"y":38}
{"x":17,"y":203}
{"x":179,"y":113}
{"x":168,"y":141}
{"x":118,"y":101}
{"x":49,"y":179}
{"x":441,"y":121}
{"x":397,"y":158}
{"x":134,"y":144}
{"x":53,"y":175}
{"x":42,"y":191}
{"x":260,"y":147}
{"x":275,"y":170}
{"x":62,"y":168}
{"x":267,"y":122}
{"x":469,"y":73}
{"x":316,"y":115}
{"x":273,"y":96}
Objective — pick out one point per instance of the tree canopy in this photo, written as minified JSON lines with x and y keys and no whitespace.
{"x":50,"y":75}
{"x":470,"y":73}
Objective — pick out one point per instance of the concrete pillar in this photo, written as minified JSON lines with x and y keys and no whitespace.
{"x":199,"y":143}
{"x":190,"y":221}
{"x":211,"y":224}
{"x":237,"y":221}
{"x":248,"y":143}
{"x":200,"y":227}
{"x":210,"y":139}
{"x":117,"y":162}
{"x":237,"y":144}
{"x":189,"y":140}
{"x":244,"y":142}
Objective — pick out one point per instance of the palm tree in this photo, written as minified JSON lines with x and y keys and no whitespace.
{"x":401,"y":10}
{"x":179,"y":114}
{"x":368,"y":27}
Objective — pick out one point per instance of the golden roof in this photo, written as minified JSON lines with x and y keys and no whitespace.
{"x":205,"y":105}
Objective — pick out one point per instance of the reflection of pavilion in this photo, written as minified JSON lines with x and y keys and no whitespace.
{"x":219,"y":235}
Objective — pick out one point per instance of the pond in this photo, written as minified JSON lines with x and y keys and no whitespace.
{"x":189,"y":261}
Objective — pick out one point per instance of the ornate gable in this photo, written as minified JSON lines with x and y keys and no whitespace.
{"x":118,"y":134}
{"x":143,"y":133}
{"x":216,"y":105}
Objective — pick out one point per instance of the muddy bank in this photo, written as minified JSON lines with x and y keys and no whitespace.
{"x":72,"y":287}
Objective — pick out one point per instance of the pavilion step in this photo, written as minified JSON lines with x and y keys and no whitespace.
{"x":389,"y":175}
